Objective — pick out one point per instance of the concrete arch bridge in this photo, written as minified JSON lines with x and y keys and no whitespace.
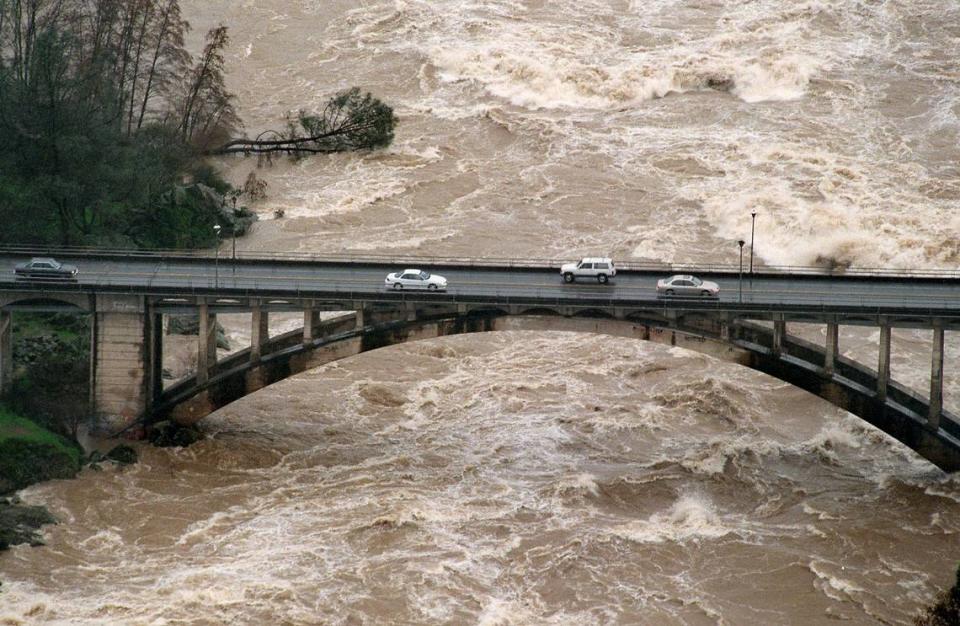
{"x":747,"y":327}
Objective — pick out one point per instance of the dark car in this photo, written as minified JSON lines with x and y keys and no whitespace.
{"x":45,"y":268}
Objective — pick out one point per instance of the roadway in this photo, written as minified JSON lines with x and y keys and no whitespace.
{"x":171,"y":277}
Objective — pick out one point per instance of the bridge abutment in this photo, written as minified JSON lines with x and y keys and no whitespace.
{"x":121,"y":358}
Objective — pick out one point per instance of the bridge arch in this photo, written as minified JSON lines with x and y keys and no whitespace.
{"x":53,"y":302}
{"x":900,"y":414}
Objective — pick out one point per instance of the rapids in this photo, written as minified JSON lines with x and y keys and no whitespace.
{"x":549,"y":478}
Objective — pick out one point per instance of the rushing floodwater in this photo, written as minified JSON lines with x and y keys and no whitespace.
{"x":550,"y":478}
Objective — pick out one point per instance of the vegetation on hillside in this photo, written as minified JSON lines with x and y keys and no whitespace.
{"x":51,"y":370}
{"x":29,"y":453}
{"x":105,"y":119}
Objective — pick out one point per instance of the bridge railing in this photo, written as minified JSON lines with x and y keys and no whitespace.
{"x":396,"y":260}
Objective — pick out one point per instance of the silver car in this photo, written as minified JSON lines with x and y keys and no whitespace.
{"x":415,"y":279}
{"x":687,"y":285}
{"x":45,"y":268}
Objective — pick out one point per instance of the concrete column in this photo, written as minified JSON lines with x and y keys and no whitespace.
{"x":411,"y":308}
{"x":6,"y":351}
{"x":311,"y":319}
{"x":883,"y":364}
{"x":119,"y":376}
{"x":779,"y":332}
{"x":154,"y":360}
{"x":936,"y":377}
{"x":461,"y":309}
{"x":360,"y":321}
{"x":206,"y":344}
{"x":830,"y":358}
{"x":259,"y":332}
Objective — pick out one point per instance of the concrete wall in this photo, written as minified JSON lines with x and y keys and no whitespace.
{"x":119,"y":362}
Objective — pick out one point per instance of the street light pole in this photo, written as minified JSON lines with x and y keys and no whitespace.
{"x":740,"y":243}
{"x":216,"y":259}
{"x":233,"y":232}
{"x":753,"y":221}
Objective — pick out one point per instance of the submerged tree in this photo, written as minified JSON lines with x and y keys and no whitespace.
{"x":349,"y":121}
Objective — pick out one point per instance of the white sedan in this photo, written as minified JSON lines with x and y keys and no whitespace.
{"x":415,"y":279}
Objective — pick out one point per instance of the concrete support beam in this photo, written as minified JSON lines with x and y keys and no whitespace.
{"x":259,"y":332}
{"x":360,"y":323}
{"x":154,"y":359}
{"x":461,"y":309}
{"x":120,"y":376}
{"x":411,"y":308}
{"x":830,"y":356}
{"x":311,"y":319}
{"x":779,"y":332}
{"x":6,"y":351}
{"x":883,"y":362}
{"x":936,"y":377}
{"x":206,"y":344}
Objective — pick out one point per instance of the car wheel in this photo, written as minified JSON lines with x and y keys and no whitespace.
{"x":432,"y":287}
{"x":705,"y":293}
{"x":568,"y":277}
{"x":602,"y":279}
{"x":669,"y":292}
{"x":397,"y":286}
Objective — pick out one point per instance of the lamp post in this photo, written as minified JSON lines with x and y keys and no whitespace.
{"x":740,"y":243}
{"x":753,"y":221}
{"x":216,"y":259}
{"x":233,"y":232}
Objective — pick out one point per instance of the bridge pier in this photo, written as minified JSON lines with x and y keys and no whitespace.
{"x":779,"y":332}
{"x":936,"y":378}
{"x":121,"y":377}
{"x":154,"y":336}
{"x":6,"y":351}
{"x":206,"y":343}
{"x":830,"y":355}
{"x":883,"y":365}
{"x":259,"y":332}
{"x":311,"y":319}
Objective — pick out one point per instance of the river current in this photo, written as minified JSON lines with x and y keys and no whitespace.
{"x":520,"y":478}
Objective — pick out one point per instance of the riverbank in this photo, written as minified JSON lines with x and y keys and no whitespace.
{"x":29,"y":454}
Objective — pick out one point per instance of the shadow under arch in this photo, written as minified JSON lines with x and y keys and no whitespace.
{"x":901,"y":415}
{"x":61,"y":303}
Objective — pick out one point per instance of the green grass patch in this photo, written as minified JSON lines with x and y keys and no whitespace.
{"x":30,"y":453}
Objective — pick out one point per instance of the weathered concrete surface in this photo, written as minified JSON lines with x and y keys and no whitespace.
{"x":119,"y":359}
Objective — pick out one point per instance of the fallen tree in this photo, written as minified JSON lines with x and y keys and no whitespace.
{"x":349,"y":121}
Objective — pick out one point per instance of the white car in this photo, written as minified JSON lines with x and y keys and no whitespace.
{"x":415,"y":279}
{"x":687,"y":285}
{"x":600,"y":269}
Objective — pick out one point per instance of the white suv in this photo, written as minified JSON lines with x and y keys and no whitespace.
{"x":599,"y":268}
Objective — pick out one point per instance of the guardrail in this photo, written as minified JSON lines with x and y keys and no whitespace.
{"x":348,"y":257}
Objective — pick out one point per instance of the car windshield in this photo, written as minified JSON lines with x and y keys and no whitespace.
{"x":696,"y":281}
{"x":424,"y":275}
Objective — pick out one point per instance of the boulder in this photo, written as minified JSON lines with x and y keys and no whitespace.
{"x":19,"y":523}
{"x":168,"y":434}
{"x":122,"y":455}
